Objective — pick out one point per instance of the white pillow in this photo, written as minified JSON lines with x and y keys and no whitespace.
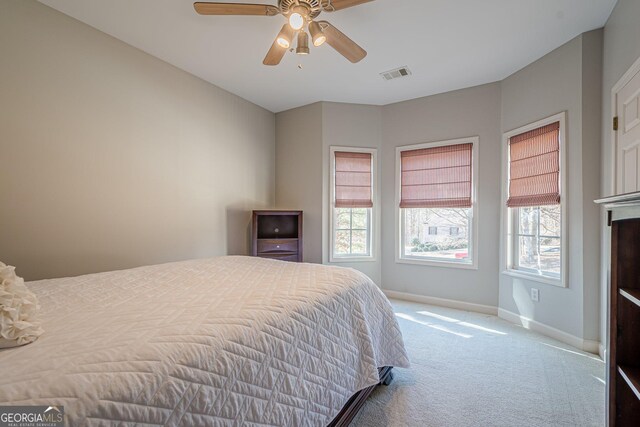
{"x":18,"y":310}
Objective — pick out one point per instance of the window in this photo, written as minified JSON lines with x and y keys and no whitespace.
{"x":352,"y":232}
{"x":436,"y":200}
{"x":352,"y":204}
{"x":538,"y":239}
{"x":534,"y":203}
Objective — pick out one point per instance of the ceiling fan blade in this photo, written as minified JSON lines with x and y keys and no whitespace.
{"x":275,"y":54}
{"x":334,"y":5}
{"x":205,"y":8}
{"x":343,"y":44}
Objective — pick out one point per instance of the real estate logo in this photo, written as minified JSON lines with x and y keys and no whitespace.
{"x":31,"y":416}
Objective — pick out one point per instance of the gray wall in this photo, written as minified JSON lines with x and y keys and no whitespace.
{"x":553,"y":84}
{"x":621,"y":50}
{"x":351,"y":126}
{"x":303,"y":180}
{"x":591,"y":130}
{"x":299,"y":171}
{"x":112,"y":158}
{"x":468,"y":112}
{"x":304,"y":136}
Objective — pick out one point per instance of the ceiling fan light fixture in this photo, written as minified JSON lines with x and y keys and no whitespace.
{"x":285,"y":36}
{"x":300,"y":16}
{"x":317,"y":36}
{"x":297,"y":17}
{"x":303,"y":43}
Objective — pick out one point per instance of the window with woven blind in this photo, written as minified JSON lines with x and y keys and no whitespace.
{"x":436,"y":187}
{"x":535,"y":205}
{"x":534,"y":167}
{"x":352,"y":197}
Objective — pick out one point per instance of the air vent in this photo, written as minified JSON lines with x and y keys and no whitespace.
{"x":396,"y":74}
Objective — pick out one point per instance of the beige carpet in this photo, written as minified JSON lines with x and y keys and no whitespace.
{"x":471,"y":369}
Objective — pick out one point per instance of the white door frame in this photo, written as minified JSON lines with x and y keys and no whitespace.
{"x":626,"y":78}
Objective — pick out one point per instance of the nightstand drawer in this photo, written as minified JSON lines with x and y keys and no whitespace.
{"x":266,"y":246}
{"x":280,"y":257}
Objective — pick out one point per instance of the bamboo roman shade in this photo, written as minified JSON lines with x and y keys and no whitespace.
{"x":438,"y":177}
{"x":534,"y":167}
{"x":353,"y":180}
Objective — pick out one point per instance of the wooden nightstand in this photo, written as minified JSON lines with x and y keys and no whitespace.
{"x":277,"y":235}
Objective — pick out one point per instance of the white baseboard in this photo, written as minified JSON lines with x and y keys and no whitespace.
{"x":442,"y":302}
{"x":602,"y":351}
{"x":586,"y":345}
{"x":582,"y":344}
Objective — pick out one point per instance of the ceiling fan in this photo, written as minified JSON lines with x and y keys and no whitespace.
{"x":300,"y":13}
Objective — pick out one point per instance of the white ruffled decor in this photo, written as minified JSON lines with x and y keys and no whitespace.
{"x":18,"y":310}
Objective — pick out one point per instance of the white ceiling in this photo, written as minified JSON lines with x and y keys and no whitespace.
{"x":447,"y":44}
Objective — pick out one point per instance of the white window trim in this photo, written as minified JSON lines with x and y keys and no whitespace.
{"x":506,"y":258}
{"x":374,"y":220}
{"x":473,"y":265}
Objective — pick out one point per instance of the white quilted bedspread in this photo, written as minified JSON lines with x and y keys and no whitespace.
{"x":219,"y":342}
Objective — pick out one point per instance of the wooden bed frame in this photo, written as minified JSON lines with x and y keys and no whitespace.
{"x":353,"y":406}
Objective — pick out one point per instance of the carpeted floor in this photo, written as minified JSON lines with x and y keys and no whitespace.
{"x":471,"y":369}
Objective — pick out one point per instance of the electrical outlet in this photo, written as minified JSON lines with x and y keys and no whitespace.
{"x":535,"y":295}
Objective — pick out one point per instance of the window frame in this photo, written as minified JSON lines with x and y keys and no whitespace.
{"x":373,"y":211}
{"x":369,"y":214}
{"x":399,"y":217}
{"x":509,"y":221}
{"x":515,"y":218}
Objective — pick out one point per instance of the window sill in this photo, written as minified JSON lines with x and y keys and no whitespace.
{"x":432,"y":263}
{"x":341,"y":260}
{"x":535,"y":278}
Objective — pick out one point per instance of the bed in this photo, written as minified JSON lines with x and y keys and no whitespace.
{"x":223,"y":341}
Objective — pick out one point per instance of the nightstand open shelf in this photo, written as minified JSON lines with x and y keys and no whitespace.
{"x":277,"y":235}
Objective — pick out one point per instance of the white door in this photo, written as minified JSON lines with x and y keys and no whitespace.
{"x":628,"y":144}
